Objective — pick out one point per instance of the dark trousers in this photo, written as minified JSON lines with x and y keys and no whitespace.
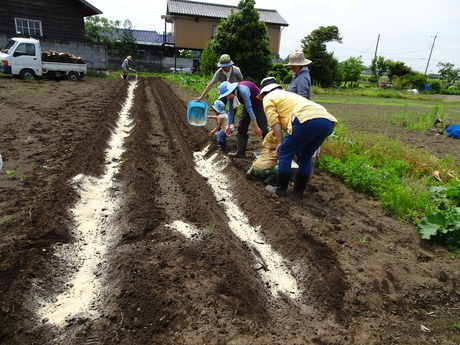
{"x":245,"y":121}
{"x":305,"y":139}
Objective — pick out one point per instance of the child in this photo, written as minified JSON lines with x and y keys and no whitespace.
{"x":266,"y":164}
{"x":219,"y":130}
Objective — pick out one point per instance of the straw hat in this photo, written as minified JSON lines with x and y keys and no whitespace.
{"x":268,"y":84}
{"x":225,"y":61}
{"x":129,"y":57}
{"x":297,"y":59}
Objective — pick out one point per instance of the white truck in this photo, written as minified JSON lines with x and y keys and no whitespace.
{"x":23,"y":57}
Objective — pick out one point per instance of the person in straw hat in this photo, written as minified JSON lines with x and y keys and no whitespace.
{"x":307,"y":125}
{"x":227,"y":72}
{"x":125,"y":66}
{"x":301,"y":83}
{"x":301,"y":80}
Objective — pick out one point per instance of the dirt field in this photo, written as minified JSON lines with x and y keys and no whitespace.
{"x":159,"y":239}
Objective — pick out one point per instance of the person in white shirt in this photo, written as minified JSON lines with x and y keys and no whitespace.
{"x":125,"y":66}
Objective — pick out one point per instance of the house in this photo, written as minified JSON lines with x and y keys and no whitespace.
{"x":46,"y":19}
{"x":58,"y":24}
{"x":194,"y":23}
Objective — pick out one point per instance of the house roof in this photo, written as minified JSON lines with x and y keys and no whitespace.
{"x":90,"y":10}
{"x":152,"y":38}
{"x":202,"y":9}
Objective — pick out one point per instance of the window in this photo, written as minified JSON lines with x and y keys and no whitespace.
{"x":25,"y":49}
{"x":28,"y":27}
{"x":214,"y":29}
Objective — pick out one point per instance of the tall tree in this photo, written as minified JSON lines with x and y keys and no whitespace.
{"x":245,"y":38}
{"x":100,"y":30}
{"x":126,"y":42}
{"x":378,"y":67}
{"x":324,"y":69}
{"x":351,"y":70}
{"x":448,"y":74}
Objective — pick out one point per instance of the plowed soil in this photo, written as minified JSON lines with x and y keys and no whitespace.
{"x":363,"y":277}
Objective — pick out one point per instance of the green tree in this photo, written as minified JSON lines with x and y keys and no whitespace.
{"x":245,"y":38}
{"x":100,"y":30}
{"x":397,"y":69}
{"x":126,"y":42}
{"x":324,"y":69}
{"x":448,"y":74}
{"x":208,"y":59}
{"x":378,"y":67}
{"x":280,"y":72}
{"x":351,"y":70}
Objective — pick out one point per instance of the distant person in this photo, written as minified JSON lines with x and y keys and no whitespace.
{"x":307,"y":125}
{"x":227,"y":72}
{"x":221,"y":123}
{"x":301,"y":80}
{"x":125,"y":66}
{"x":244,"y":93}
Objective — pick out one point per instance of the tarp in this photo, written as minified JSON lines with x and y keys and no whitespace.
{"x":453,"y":131}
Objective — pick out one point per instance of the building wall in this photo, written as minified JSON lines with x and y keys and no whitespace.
{"x":60,"y":19}
{"x":150,"y":62}
{"x":191,"y":34}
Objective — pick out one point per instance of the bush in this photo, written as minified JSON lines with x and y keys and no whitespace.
{"x":411,"y":81}
{"x":435,"y":86}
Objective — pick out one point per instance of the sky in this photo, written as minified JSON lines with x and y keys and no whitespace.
{"x":419,"y":33}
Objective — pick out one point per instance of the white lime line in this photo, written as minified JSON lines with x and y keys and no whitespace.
{"x":275,"y":273}
{"x":94,"y":215}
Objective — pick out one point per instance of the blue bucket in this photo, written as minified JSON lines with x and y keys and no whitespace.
{"x":196,"y":113}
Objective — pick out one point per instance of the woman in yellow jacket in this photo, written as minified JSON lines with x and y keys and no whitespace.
{"x":307,"y":125}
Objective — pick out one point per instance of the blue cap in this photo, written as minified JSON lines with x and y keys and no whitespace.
{"x":219,"y":106}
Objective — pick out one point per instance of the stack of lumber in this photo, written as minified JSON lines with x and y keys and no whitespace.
{"x":53,"y":56}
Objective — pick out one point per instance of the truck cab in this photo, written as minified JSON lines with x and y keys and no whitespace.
{"x":21,"y":56}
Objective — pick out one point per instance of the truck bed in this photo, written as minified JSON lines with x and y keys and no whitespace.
{"x":63,"y":67}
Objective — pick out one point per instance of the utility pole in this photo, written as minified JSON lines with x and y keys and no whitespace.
{"x":377,"y":46}
{"x":429,"y":58}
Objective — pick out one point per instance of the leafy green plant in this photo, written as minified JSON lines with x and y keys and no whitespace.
{"x":208,"y":231}
{"x":444,"y":225}
{"x":11,"y":173}
{"x":363,"y":240}
{"x":456,"y":325}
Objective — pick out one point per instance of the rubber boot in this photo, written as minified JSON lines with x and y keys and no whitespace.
{"x":222,"y":146}
{"x":300,"y":183}
{"x":241,"y":145}
{"x":282,"y":183}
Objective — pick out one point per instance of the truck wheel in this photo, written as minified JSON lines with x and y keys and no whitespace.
{"x":73,"y":76}
{"x":27,"y":74}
